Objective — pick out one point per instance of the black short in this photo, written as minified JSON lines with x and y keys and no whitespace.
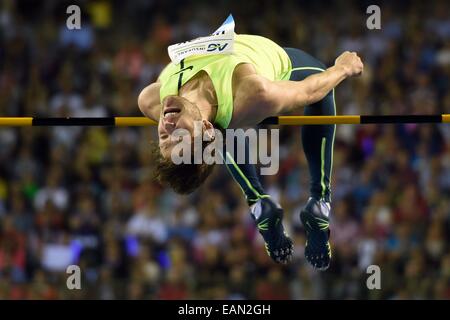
{"x":303,"y":61}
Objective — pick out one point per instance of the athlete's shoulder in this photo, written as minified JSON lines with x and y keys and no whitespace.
{"x":168,"y":70}
{"x":149,"y":100}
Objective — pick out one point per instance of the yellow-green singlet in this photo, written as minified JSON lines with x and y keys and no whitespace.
{"x":268,"y":58}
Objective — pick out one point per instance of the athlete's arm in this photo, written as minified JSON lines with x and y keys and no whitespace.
{"x":149,"y":102}
{"x":257,"y":98}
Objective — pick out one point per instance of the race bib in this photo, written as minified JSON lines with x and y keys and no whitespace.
{"x":220,"y":42}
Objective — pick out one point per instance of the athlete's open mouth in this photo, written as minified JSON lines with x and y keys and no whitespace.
{"x":171,"y":111}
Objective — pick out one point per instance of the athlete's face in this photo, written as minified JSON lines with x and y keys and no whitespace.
{"x":176,"y":113}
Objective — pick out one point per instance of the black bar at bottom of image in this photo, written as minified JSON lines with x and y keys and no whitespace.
{"x":220,"y":309}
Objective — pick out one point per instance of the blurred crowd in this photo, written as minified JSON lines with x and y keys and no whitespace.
{"x":84,"y":196}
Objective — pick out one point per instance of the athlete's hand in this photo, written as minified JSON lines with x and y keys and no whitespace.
{"x":350,"y":63}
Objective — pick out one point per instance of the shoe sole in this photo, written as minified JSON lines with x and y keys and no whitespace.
{"x":317,"y":240}
{"x":283,"y":254}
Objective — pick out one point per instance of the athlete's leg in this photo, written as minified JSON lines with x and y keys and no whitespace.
{"x":268,"y":215}
{"x":318,"y":141}
{"x":244,"y":174}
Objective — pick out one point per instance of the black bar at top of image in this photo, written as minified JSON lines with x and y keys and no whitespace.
{"x":402,"y":119}
{"x":109,"y":121}
{"x":270,"y":120}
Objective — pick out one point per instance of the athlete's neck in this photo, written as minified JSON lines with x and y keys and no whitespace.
{"x":200,"y":91}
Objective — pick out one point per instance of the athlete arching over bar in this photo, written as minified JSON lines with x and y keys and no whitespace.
{"x":258,"y":79}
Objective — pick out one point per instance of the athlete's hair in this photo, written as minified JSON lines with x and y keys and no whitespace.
{"x":182,"y":178}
